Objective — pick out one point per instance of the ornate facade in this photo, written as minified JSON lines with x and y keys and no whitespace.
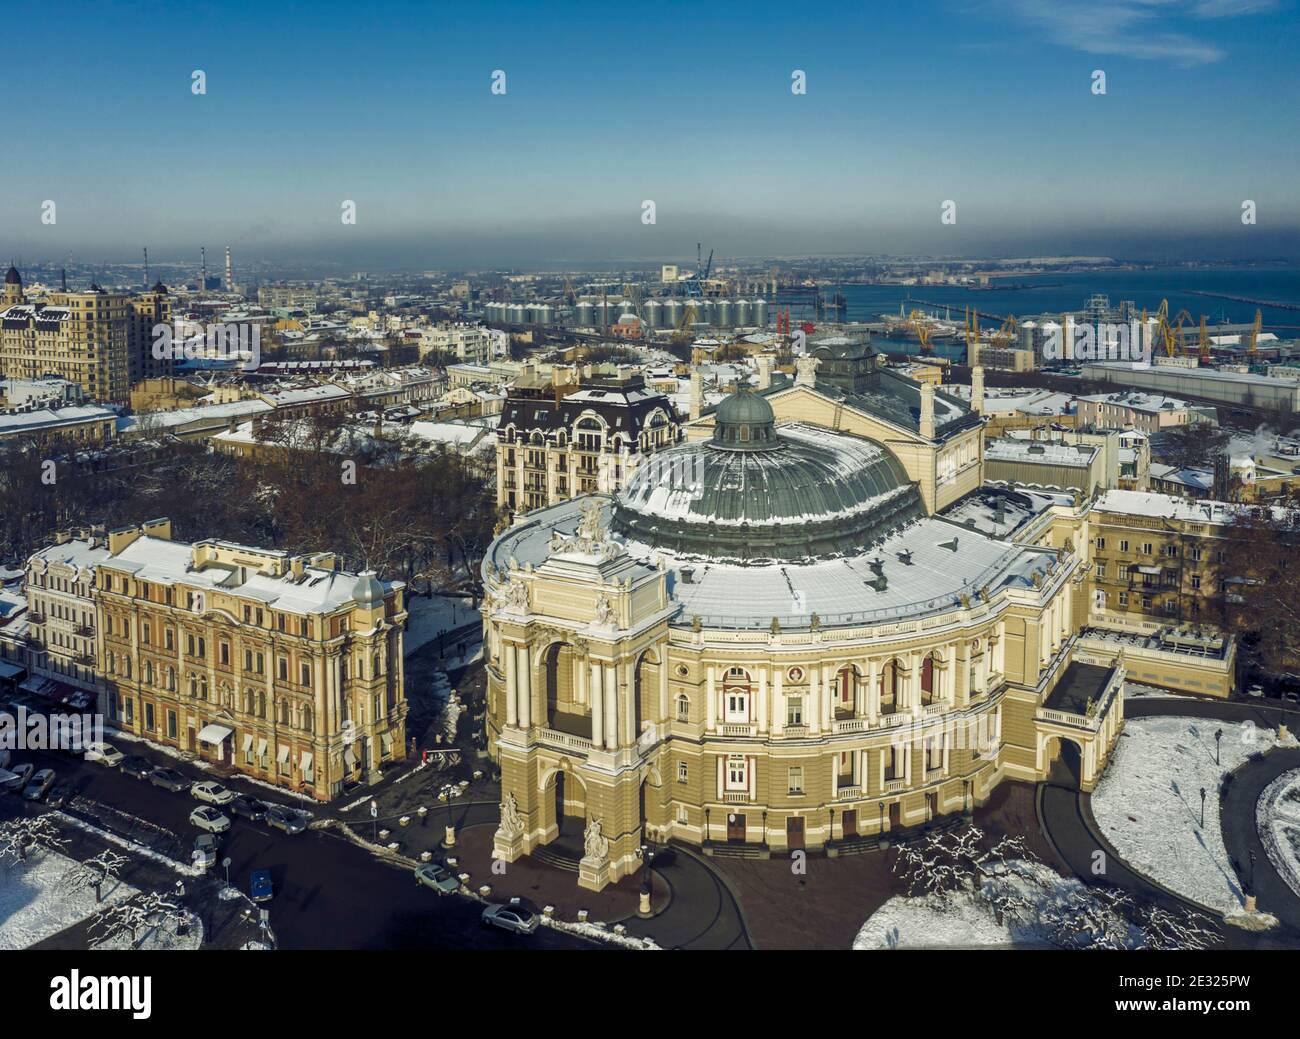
{"x":286,"y":668}
{"x":767,"y":637}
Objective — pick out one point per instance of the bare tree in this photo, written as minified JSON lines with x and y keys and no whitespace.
{"x":135,"y":917}
{"x":93,"y":873}
{"x":18,"y":837}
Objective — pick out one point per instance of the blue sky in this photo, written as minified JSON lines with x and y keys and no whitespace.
{"x":985,"y":102}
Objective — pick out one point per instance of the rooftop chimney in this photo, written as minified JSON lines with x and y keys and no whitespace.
{"x":977,"y":389}
{"x":927,"y":411}
{"x":697,"y":393}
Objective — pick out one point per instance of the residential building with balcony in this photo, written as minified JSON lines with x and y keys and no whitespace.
{"x":557,"y":440}
{"x":284,"y":668}
{"x":61,"y":623}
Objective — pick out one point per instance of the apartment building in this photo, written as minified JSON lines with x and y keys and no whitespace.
{"x":61,"y":641}
{"x":1132,"y":409}
{"x":1157,"y":557}
{"x":559,"y":440}
{"x":285,"y":668}
{"x":102,"y":341}
{"x":470,"y":344}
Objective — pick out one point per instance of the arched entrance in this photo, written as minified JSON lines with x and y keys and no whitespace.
{"x":1064,"y":762}
{"x":564,"y":803}
{"x":563,"y":711}
{"x":645,"y":697}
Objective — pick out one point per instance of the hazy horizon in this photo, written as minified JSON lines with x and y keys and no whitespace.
{"x":987,"y":103}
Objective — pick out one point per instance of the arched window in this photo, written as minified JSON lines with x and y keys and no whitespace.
{"x":308,"y":719}
{"x":683,"y":708}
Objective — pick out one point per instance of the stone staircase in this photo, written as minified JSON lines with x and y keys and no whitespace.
{"x":548,"y":855}
{"x":737,"y":850}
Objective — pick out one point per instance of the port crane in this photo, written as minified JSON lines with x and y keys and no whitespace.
{"x":919,"y":324}
{"x":1252,"y":343}
{"x":694,"y":285}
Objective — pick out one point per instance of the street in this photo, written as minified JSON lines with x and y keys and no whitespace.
{"x":329,"y":892}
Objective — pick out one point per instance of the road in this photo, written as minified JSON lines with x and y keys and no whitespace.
{"x":329,"y":893}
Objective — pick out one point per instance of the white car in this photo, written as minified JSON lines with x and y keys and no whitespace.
{"x":104,"y":753}
{"x":208,"y":818}
{"x":212,"y":793}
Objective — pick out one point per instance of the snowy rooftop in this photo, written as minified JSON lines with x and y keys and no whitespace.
{"x":1149,"y":503}
{"x":1012,"y":449}
{"x":160,"y":561}
{"x":928,"y":565}
{"x":77,"y":553}
{"x":998,"y":511}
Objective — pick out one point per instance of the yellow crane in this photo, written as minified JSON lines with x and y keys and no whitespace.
{"x":921,"y":326}
{"x":1254,"y":335}
{"x":683,"y":333}
{"x":1007,"y":334}
{"x":1203,"y":343}
{"x":1184,"y":318}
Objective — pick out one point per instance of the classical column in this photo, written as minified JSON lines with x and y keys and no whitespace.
{"x":596,"y":687}
{"x":762,"y":699}
{"x":512,"y":687}
{"x":778,"y":703}
{"x":524,"y":677}
{"x":663,"y":686}
{"x":830,"y":691}
{"x":914,"y":682}
{"x":611,"y":706}
{"x":873,"y":691}
{"x":579,"y":680}
{"x":814,"y":712}
{"x":710,"y":700}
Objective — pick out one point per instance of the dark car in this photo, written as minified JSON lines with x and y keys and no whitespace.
{"x":285,"y":819}
{"x":134,"y":765}
{"x":247,"y":807}
{"x":59,"y":796}
{"x":260,"y":887}
{"x":169,"y":779}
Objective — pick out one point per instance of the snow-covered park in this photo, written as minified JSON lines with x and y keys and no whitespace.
{"x":47,"y":892}
{"x":965,"y":891}
{"x":1148,"y":804}
{"x":1278,"y":818}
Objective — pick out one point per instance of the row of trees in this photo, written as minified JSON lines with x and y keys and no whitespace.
{"x":414,"y":514}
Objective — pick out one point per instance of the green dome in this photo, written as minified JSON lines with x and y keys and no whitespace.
{"x":744,"y":421}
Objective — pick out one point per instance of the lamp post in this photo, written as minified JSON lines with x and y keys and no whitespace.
{"x":1218,"y":736}
{"x":1202,"y":808}
{"x":764,"y":844}
{"x":832,"y":834}
{"x":708,"y":829}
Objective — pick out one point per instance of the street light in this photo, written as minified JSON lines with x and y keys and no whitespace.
{"x":1202,"y":808}
{"x":1217,"y":737}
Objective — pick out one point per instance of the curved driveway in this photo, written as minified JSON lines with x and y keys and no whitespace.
{"x":1065,"y":815}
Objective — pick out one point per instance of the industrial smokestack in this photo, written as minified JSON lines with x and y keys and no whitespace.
{"x":230,"y":272}
{"x":203,"y":277}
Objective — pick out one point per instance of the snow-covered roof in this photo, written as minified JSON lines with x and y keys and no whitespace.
{"x":1042,"y":452}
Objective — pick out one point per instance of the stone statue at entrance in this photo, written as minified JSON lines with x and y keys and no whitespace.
{"x":595,"y":844}
{"x":510,"y":821}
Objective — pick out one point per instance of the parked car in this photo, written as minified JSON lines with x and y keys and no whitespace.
{"x":247,"y":807}
{"x":260,"y":887}
{"x":285,"y":819}
{"x":39,"y":785}
{"x":206,"y":847}
{"x":168,"y":779}
{"x":212,"y":793}
{"x":104,"y":754}
{"x":59,"y":796}
{"x":134,"y":765}
{"x":510,"y":917}
{"x":205,"y":817}
{"x":435,"y":875}
{"x":18,"y":776}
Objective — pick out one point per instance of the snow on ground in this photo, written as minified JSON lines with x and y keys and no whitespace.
{"x":33,"y":906}
{"x":1148,"y":804}
{"x":1138,"y":691}
{"x":164,"y":937}
{"x":965,"y":919}
{"x":1278,"y":818}
{"x":429,"y":618}
{"x":599,"y":933}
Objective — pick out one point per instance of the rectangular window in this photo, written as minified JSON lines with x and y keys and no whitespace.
{"x":794,"y":710}
{"x":1123,"y":546}
{"x":737,"y":773}
{"x":794,"y":782}
{"x":1101,"y":542}
{"x":1101,"y":571}
{"x":171,"y":725}
{"x":148,"y":716}
{"x":682,"y":773}
{"x":223,"y":649}
{"x":1123,"y":598}
{"x":737,"y":705}
{"x":304,"y":674}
